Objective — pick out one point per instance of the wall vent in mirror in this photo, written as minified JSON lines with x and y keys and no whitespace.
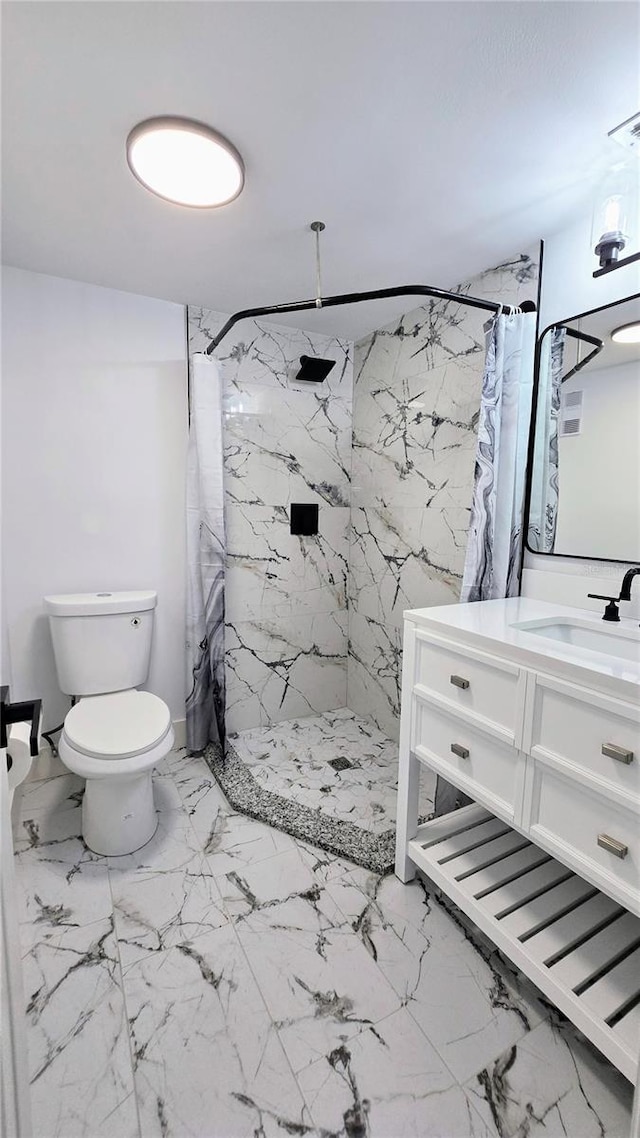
{"x":571,"y":414}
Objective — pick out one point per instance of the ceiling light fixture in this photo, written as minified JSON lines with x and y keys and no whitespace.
{"x":185,"y":162}
{"x":627,"y":333}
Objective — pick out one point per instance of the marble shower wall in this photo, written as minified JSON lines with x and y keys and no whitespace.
{"x":286,"y":600}
{"x":415,"y":409}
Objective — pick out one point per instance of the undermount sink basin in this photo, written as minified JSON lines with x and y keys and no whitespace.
{"x":612,"y":640}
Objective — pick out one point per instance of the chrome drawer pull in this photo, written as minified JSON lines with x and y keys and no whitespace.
{"x":619,"y":753}
{"x":460,"y":751}
{"x":459,"y":682}
{"x":614,"y":847}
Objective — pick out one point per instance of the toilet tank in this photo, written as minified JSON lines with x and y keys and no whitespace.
{"x":101,"y":641}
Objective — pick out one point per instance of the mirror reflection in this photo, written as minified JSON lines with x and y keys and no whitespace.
{"x":585,"y":471}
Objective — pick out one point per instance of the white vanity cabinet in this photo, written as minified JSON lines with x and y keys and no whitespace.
{"x":545,"y":738}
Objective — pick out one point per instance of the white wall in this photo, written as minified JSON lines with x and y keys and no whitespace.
{"x":599,"y":503}
{"x":568,"y":284}
{"x":94,"y":428}
{"x":569,"y":288}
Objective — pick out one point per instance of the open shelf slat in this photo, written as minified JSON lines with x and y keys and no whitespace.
{"x":567,"y":931}
{"x":581,"y":948}
{"x":509,"y":869}
{"x":611,"y":991}
{"x":474,"y":860}
{"x":470,"y":839}
{"x":533,"y":884}
{"x":591,"y":957}
{"x":628,"y":1028}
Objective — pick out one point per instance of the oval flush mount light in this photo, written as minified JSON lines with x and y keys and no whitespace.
{"x":627,"y":333}
{"x":185,"y":162}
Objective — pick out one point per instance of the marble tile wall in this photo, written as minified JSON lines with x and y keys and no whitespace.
{"x":416,"y":400}
{"x":286,"y":601}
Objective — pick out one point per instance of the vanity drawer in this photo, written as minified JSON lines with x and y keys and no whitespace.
{"x":483,"y":767}
{"x":482,"y":688}
{"x":584,"y":830}
{"x":595,"y":733}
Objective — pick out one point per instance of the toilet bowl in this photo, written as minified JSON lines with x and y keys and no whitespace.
{"x":114,"y":741}
{"x":114,"y":734}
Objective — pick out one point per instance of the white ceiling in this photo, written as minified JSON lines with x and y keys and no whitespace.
{"x":602,"y":324}
{"x":434,"y":139}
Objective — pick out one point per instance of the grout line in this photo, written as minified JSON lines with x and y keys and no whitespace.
{"x":125,"y":1009}
{"x":272,"y":1022}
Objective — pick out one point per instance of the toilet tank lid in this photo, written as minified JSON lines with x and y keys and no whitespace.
{"x":98,"y":604}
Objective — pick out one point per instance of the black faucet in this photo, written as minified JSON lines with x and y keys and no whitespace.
{"x":612,"y":611}
{"x":625,"y":589}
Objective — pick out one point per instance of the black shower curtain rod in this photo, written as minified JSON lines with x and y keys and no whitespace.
{"x":357,"y":297}
{"x":589,"y":356}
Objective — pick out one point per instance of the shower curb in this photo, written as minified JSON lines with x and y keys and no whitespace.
{"x":343,"y":839}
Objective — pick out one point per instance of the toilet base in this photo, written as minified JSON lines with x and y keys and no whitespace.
{"x":118,"y":815}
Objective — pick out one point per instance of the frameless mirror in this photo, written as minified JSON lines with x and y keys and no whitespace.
{"x":584,"y":466}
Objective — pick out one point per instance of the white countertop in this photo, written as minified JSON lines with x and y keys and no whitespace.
{"x":490,"y":625}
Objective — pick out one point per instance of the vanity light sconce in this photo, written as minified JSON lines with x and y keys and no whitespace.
{"x":615,"y":217}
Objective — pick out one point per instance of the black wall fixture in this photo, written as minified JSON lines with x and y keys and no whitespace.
{"x":314,"y":370}
{"x":304,"y":518}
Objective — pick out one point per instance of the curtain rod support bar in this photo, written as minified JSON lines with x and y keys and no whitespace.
{"x":598,"y":346}
{"x":358,"y":297}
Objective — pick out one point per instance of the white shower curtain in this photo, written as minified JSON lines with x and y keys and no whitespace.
{"x":543,"y":508}
{"x":205,"y":559}
{"x":494,"y":548}
{"x":494,"y":544}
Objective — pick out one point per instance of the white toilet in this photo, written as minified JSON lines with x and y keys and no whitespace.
{"x":114,"y":735}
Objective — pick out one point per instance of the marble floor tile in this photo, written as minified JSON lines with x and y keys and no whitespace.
{"x":158,"y":909}
{"x":552,"y":1085}
{"x":388,"y":1081}
{"x":319,"y":982}
{"x":207,"y":1060}
{"x":197,"y":788}
{"x":465,"y":1005}
{"x":337,"y":764}
{"x":60,"y":882}
{"x":262,"y":887}
{"x":272,"y":988}
{"x":47,"y":795}
{"x":397,"y":924}
{"x":324,"y":866}
{"x":233,"y":841}
{"x":172,"y":847}
{"x":77,"y":1035}
{"x":229,"y":840}
{"x":201,"y":797}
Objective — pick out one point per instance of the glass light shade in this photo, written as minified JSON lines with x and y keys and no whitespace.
{"x":614,"y":219}
{"x":627,"y":333}
{"x":185,"y":162}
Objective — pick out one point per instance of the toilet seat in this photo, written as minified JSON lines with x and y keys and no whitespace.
{"x":117,"y":726}
{"x":90,"y":767}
